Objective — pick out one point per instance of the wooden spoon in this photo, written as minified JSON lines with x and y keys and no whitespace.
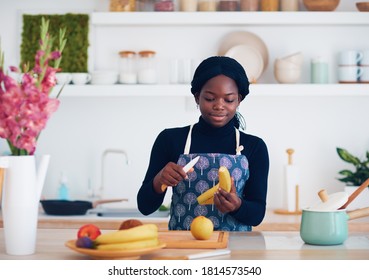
{"x":356,"y":193}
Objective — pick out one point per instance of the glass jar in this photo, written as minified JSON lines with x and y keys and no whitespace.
{"x":122,"y":5}
{"x":289,"y":5}
{"x":229,"y":5}
{"x":164,"y":6}
{"x":147,"y":67}
{"x":127,"y":67}
{"x":249,"y":5}
{"x":188,"y":5}
{"x":270,"y":5}
{"x":207,"y":5}
{"x":145,"y":5}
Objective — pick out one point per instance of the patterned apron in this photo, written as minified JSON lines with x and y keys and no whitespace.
{"x":184,"y":206}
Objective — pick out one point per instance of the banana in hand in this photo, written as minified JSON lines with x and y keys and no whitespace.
{"x":224,"y":183}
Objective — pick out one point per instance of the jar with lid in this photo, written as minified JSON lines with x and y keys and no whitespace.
{"x":145,"y":5}
{"x":122,"y":5}
{"x":207,"y":5}
{"x":269,"y":5}
{"x":127,"y":67}
{"x":164,"y":6}
{"x":289,"y":5}
{"x":147,"y":67}
{"x":249,"y":5}
{"x":229,"y":5}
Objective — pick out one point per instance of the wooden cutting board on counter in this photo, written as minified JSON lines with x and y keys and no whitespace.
{"x":182,"y":239}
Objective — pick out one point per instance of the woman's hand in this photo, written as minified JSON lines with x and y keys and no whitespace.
{"x":227,"y":201}
{"x":170,"y":175}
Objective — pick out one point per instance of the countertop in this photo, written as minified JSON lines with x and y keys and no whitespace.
{"x":242,"y":246}
{"x":271,"y":222}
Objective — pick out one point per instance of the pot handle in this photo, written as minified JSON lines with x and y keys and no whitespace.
{"x":363,"y":212}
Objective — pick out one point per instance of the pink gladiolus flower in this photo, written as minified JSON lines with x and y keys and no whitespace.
{"x":26,"y":107}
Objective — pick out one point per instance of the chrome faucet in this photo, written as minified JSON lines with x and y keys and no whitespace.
{"x":103,"y":161}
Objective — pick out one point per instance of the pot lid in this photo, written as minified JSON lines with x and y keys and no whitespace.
{"x":333,"y":202}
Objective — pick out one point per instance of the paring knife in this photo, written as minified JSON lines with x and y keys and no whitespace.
{"x":186,"y":168}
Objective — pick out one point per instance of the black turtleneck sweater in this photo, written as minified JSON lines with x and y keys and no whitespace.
{"x":170,"y":144}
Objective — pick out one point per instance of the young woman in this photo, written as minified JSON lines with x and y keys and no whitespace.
{"x":219,"y":85}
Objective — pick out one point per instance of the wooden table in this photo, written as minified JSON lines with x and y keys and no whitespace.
{"x":281,"y":245}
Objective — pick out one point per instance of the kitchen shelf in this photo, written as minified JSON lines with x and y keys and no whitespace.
{"x":229,"y":18}
{"x":257,"y":90}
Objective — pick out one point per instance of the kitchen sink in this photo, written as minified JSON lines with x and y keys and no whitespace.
{"x":126,"y":212}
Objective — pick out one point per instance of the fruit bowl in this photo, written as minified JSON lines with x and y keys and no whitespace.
{"x":362,"y":6}
{"x":321,"y":5}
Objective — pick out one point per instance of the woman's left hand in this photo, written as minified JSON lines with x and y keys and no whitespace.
{"x":227,"y":201}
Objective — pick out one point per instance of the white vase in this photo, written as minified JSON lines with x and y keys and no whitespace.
{"x":361,"y":201}
{"x":20,"y":201}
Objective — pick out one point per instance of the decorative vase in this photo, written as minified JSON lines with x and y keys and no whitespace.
{"x":361,"y":201}
{"x":20,"y":201}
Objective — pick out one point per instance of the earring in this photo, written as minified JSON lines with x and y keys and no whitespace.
{"x":197,"y":106}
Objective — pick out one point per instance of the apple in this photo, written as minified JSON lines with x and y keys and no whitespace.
{"x":130,"y":224}
{"x":201,"y":228}
{"x":89,"y":230}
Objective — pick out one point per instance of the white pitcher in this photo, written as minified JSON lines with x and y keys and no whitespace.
{"x":20,"y":201}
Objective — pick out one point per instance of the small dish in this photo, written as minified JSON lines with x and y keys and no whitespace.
{"x":251,"y":60}
{"x":362,"y":6}
{"x":113,"y":255}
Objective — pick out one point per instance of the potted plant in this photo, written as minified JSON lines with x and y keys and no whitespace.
{"x":354,"y":178}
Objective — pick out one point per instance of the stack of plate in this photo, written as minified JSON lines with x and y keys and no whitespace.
{"x":249,"y":50}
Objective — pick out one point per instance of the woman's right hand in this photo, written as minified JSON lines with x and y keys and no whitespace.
{"x":170,"y":175}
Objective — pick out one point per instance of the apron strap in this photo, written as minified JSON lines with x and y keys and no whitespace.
{"x":238,"y":147}
{"x":188,"y":142}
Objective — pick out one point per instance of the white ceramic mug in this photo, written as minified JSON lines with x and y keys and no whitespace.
{"x":350,"y":57}
{"x":63,"y":78}
{"x":365,"y":74}
{"x":365,"y":60}
{"x":81,"y":78}
{"x":349,"y":74}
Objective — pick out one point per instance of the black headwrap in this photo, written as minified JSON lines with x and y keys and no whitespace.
{"x":220,"y":65}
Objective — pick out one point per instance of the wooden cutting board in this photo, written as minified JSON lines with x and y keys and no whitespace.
{"x":182,"y":239}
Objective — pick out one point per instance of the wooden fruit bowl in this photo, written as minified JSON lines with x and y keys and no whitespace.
{"x":362,"y":6}
{"x":321,"y":5}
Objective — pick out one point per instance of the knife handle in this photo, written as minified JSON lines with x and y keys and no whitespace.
{"x":163,"y":187}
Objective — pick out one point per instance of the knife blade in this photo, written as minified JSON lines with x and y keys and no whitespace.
{"x":186,"y":168}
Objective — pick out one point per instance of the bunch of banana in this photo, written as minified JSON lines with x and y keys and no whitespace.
{"x":143,"y":236}
{"x":224,"y":183}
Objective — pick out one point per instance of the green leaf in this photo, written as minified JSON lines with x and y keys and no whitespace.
{"x":347,"y":157}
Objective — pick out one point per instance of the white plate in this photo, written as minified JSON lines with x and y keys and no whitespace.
{"x":250,"y":58}
{"x":244,"y":38}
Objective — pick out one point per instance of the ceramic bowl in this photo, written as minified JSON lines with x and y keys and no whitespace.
{"x":296,"y":58}
{"x":321,"y":5}
{"x":286,"y":72}
{"x":104,"y":77}
{"x":362,"y":6}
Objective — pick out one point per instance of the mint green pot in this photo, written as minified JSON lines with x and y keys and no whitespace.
{"x":324,"y":227}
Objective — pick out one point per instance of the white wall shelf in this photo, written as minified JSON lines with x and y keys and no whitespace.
{"x":266,"y":90}
{"x":229,"y":18}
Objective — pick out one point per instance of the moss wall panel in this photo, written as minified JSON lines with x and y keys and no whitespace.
{"x":75,"y":54}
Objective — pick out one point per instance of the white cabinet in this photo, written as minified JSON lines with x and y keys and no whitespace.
{"x":199,"y":33}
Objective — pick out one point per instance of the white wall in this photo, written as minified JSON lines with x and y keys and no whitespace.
{"x":82,"y":128}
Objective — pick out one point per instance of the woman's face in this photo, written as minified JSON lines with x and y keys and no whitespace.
{"x":218,"y":100}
